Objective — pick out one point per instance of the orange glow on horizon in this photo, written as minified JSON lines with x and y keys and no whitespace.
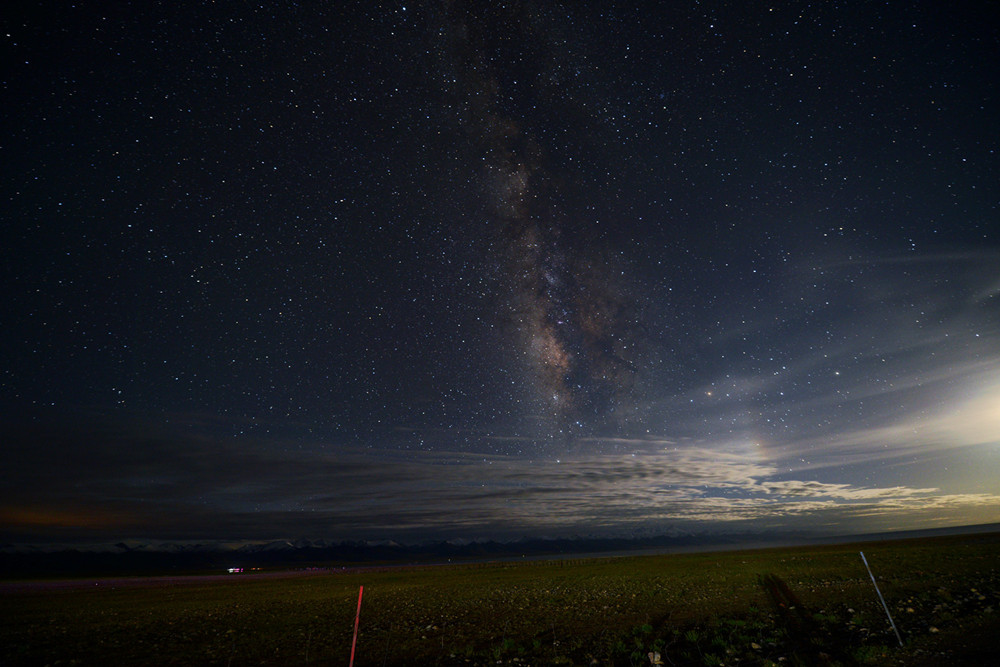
{"x":48,"y":517}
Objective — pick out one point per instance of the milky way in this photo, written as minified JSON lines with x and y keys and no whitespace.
{"x":569,"y":313}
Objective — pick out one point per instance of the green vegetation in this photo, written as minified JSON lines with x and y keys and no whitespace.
{"x":801,"y":606}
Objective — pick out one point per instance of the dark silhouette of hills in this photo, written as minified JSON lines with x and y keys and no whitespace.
{"x":173,"y":558}
{"x":142,"y":559}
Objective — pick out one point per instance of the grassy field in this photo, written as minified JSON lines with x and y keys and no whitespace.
{"x":796,"y":606}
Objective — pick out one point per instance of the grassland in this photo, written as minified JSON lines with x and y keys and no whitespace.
{"x":795,"y":606}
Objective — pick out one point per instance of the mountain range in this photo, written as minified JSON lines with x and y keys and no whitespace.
{"x":136,"y":557}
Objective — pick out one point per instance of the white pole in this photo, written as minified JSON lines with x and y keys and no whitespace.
{"x":884,"y":605}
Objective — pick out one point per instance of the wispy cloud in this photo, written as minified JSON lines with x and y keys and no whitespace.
{"x":227,"y":489}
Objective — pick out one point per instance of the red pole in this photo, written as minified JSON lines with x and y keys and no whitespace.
{"x":357,"y":619}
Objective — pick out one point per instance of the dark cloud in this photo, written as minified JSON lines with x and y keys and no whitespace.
{"x":170,"y":486}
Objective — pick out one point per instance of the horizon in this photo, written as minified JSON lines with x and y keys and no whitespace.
{"x":659,"y":543}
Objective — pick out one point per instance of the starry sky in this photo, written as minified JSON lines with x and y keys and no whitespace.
{"x":443,"y":270}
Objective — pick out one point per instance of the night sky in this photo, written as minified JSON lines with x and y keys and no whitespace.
{"x":467,"y":270}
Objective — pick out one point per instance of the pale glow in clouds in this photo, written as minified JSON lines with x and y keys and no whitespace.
{"x":965,"y":422}
{"x":962,"y":422}
{"x":976,"y":421}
